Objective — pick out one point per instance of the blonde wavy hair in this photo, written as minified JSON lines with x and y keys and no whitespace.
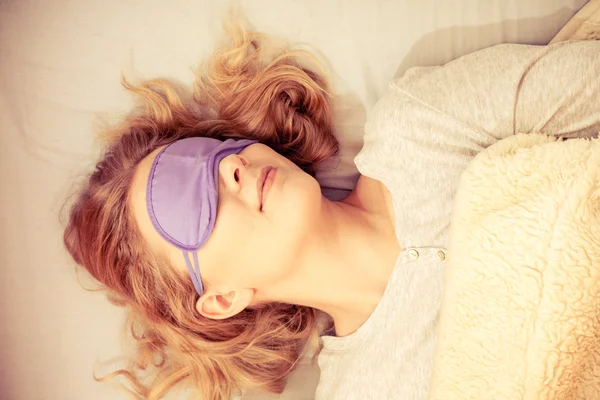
{"x":246,"y":90}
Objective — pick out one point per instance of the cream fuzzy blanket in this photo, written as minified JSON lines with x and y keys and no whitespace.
{"x":521,"y":312}
{"x":585,"y":25}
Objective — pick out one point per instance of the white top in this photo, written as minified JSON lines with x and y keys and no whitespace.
{"x":419,"y":138}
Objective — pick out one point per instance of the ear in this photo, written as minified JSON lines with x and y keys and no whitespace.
{"x":220,"y":306}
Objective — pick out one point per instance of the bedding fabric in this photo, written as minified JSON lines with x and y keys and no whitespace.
{"x":520,"y":315}
{"x":583,"y":26}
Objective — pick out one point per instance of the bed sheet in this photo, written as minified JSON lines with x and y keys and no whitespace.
{"x":60,"y":66}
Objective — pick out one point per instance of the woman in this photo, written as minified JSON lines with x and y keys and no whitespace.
{"x":205,"y":220}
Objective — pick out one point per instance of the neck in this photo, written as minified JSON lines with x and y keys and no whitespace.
{"x":345,"y":265}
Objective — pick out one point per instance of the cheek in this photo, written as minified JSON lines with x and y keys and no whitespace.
{"x":300,"y":203}
{"x":295,"y":217}
{"x":230,"y":245}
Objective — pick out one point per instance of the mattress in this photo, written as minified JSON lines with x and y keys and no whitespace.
{"x":60,"y":67}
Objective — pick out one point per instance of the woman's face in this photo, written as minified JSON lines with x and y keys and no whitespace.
{"x":260,"y":228}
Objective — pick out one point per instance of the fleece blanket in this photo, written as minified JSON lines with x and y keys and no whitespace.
{"x":520,"y":317}
{"x":585,"y":25}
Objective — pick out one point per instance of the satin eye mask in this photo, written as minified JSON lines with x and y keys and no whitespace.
{"x":182,"y":193}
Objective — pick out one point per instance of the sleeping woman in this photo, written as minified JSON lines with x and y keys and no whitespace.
{"x":204,"y":219}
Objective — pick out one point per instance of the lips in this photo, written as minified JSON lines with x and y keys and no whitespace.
{"x":260,"y":183}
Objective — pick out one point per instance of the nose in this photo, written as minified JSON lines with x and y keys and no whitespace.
{"x":233,"y":170}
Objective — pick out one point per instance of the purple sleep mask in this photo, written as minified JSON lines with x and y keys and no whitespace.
{"x":182,"y":193}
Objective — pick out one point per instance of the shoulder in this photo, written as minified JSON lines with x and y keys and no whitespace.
{"x":403,"y":130}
